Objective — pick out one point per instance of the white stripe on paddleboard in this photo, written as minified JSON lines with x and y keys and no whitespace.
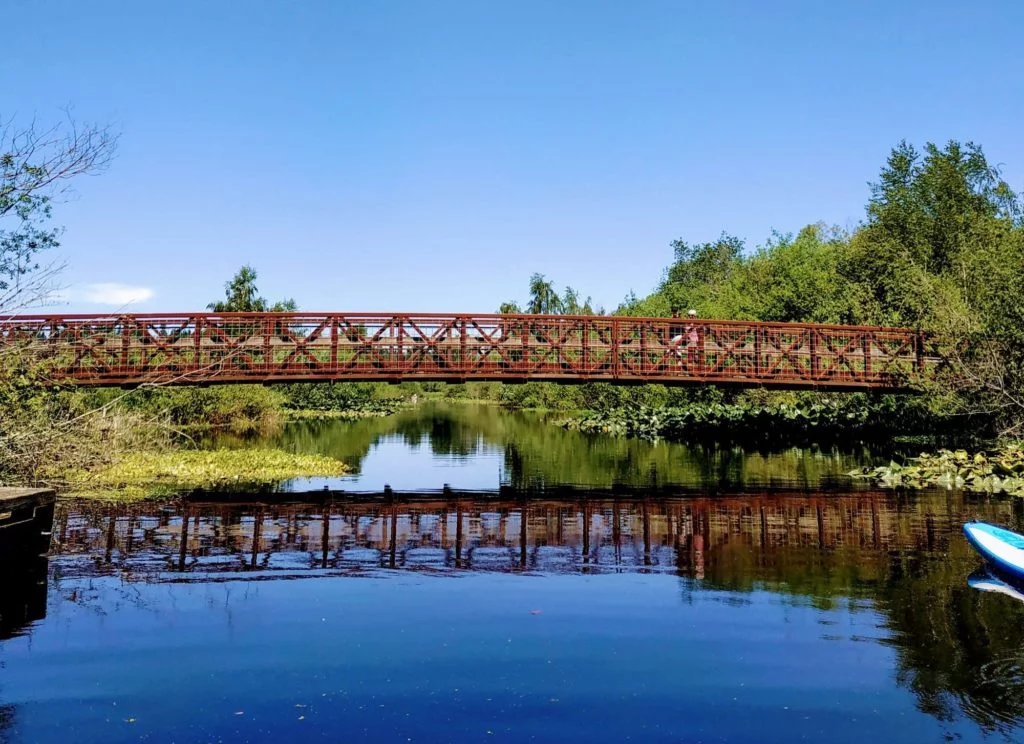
{"x":1003,"y":551}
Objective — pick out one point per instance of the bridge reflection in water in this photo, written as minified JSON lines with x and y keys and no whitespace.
{"x":736,"y":540}
{"x":899,"y":563}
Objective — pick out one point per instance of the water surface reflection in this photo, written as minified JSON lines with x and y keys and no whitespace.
{"x":868,"y":554}
{"x":734,"y":541}
{"x":589,"y":589}
{"x":484,"y":447}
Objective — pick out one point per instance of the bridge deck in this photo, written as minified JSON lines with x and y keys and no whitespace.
{"x":205,"y":348}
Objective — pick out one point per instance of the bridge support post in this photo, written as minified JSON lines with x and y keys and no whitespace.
{"x":524,"y":334}
{"x":812,"y":343}
{"x":643,"y":348}
{"x":400,"y":361}
{"x":125,"y":333}
{"x":866,"y":344}
{"x":758,"y":332}
{"x":197,"y":344}
{"x":463,"y":359}
{"x":335,"y":329}
{"x":268,"y":351}
{"x":585,"y":347}
{"x":616,"y":362}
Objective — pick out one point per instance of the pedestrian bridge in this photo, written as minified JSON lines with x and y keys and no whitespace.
{"x":210,"y":348}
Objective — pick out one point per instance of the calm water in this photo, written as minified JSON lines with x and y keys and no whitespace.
{"x":652,"y":593}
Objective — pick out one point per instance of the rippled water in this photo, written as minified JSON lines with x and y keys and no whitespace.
{"x":657,"y":593}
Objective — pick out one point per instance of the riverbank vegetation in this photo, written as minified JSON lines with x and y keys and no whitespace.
{"x":40,"y":427}
{"x":59,"y":434}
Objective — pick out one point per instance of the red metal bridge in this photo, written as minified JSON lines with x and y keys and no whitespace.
{"x":206,"y":348}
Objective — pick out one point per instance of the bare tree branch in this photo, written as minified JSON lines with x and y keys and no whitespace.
{"x":39,"y":161}
{"x":37,"y":165}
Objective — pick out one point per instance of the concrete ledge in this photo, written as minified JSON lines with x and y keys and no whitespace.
{"x":10,"y":497}
{"x":20,"y":507}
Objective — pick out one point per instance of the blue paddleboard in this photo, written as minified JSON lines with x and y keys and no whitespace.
{"x":1002,"y":548}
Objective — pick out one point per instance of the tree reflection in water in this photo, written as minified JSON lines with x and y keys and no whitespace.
{"x":538,"y":454}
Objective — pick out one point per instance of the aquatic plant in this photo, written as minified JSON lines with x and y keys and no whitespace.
{"x":746,"y":419}
{"x":155,"y":473}
{"x":1001,"y":471}
{"x":349,"y":415}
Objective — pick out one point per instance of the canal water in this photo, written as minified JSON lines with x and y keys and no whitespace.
{"x":486,"y":576}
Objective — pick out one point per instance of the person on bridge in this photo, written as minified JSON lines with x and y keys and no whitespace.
{"x":692,"y":337}
{"x":688,"y":334}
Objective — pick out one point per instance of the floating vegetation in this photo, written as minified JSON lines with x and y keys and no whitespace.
{"x":346,"y":415}
{"x":142,"y":474}
{"x":999,"y":472}
{"x":749,"y":420}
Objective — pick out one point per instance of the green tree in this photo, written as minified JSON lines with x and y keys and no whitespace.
{"x":572,"y":305}
{"x":942,"y":249}
{"x":242,"y":296}
{"x":927,"y":218}
{"x":509,"y":308}
{"x":698,"y":270}
{"x":544,"y":299}
{"x":790,"y":279}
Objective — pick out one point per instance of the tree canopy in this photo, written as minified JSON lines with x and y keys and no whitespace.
{"x":545,"y":300}
{"x":242,"y":296}
{"x":940,"y":249}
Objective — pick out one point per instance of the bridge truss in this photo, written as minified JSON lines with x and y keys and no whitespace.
{"x":209,"y":348}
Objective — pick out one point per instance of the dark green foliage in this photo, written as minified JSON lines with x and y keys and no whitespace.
{"x":929,"y":220}
{"x":240,"y":408}
{"x":509,"y":308}
{"x":351,"y":396}
{"x":697,"y":267}
{"x":788,"y":279}
{"x":539,"y":395}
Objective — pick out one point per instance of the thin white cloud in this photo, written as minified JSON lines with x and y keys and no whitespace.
{"x":112,"y":293}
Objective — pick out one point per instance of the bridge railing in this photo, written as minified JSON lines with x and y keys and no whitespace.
{"x":288,"y":347}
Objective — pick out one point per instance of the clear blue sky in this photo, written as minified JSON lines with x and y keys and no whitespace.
{"x":428,"y":155}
